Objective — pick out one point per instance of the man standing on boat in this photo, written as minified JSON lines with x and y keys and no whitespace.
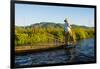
{"x":68,"y":32}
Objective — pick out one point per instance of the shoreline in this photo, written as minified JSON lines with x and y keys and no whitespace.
{"x":42,"y":49}
{"x":33,"y":50}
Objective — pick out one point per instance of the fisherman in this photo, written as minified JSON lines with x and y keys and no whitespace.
{"x":68,"y":32}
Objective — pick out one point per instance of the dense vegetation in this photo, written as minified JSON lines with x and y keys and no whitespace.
{"x":45,"y":32}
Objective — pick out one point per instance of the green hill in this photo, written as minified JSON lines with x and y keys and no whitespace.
{"x":52,"y":24}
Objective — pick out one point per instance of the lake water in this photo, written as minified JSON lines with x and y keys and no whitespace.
{"x":83,"y":52}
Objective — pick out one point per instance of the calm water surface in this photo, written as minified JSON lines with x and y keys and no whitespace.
{"x":83,"y":52}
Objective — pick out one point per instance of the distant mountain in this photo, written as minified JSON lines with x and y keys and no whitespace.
{"x":52,"y":24}
{"x":47,"y":24}
{"x":80,"y":26}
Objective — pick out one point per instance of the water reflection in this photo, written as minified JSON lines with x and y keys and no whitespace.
{"x":83,"y":52}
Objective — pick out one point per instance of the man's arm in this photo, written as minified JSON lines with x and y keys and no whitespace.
{"x":69,"y":25}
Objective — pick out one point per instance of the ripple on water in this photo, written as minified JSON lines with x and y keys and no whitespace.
{"x":83,"y":52}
